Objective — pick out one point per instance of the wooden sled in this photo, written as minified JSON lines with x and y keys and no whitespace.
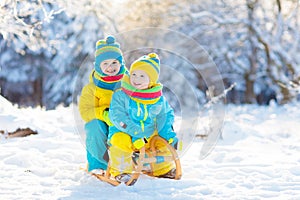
{"x":105,"y":178}
{"x":148,"y":156}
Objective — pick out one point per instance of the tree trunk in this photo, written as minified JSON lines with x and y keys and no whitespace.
{"x":38,"y":91}
{"x":249,"y":93}
{"x":250,"y":75}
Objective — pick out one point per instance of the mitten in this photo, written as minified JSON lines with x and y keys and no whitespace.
{"x":139,"y":143}
{"x":106,"y":118}
{"x":173,"y":141}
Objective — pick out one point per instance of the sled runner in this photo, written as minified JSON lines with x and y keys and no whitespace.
{"x":146,"y":157}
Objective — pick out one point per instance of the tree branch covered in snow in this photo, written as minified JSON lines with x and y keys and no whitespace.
{"x":60,"y":35}
{"x":292,"y":86}
{"x":216,"y":99}
{"x":208,"y":127}
{"x":282,"y":62}
{"x":257,"y":42}
{"x":254,"y":43}
{"x":21,"y":21}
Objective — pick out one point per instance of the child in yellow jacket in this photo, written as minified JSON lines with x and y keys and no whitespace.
{"x":138,"y":112}
{"x":95,"y":99}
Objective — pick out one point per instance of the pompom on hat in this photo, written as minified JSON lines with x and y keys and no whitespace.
{"x":107,"y":49}
{"x":150,"y":64}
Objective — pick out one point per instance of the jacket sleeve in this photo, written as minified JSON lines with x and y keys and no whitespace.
{"x":119,"y":116}
{"x":89,"y":107}
{"x":165,"y":120}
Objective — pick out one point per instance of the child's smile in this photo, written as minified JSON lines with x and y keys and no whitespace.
{"x":110,"y":67}
{"x":139,"y":79}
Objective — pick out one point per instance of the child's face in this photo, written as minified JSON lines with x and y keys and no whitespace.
{"x":139,"y":79}
{"x":110,"y":67}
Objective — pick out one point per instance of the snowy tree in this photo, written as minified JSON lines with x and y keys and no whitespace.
{"x":82,"y":25}
{"x":21,"y":22}
{"x":249,"y":42}
{"x":281,"y":46}
{"x":57,"y":36}
{"x":253,"y":42}
{"x":23,"y":44}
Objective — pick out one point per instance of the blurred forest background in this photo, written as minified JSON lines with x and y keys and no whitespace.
{"x":254,"y":43}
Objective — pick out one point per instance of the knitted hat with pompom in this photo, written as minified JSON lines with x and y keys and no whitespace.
{"x":150,"y":64}
{"x":107,"y":49}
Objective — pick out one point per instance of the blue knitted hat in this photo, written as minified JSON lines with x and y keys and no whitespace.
{"x":107,"y":49}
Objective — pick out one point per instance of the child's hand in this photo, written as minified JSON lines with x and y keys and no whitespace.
{"x":106,"y":118}
{"x":139,"y":143}
{"x":173,"y":141}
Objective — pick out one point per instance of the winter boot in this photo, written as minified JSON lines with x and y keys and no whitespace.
{"x":123,"y":178}
{"x":171,"y":174}
{"x":100,"y":172}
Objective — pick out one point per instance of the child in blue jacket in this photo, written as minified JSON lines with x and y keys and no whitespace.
{"x":138,"y":111}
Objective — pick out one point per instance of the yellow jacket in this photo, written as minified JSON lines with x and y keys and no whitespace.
{"x":93,"y":101}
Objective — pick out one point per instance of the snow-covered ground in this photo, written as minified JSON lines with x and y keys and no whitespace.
{"x":258,"y":158}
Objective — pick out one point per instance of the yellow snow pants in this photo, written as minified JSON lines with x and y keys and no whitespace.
{"x":120,"y":155}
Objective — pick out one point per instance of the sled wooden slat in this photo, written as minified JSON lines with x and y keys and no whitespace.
{"x":139,"y":168}
{"x":173,"y":152}
{"x":106,"y":178}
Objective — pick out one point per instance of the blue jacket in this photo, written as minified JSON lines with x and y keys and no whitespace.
{"x":140,"y":120}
